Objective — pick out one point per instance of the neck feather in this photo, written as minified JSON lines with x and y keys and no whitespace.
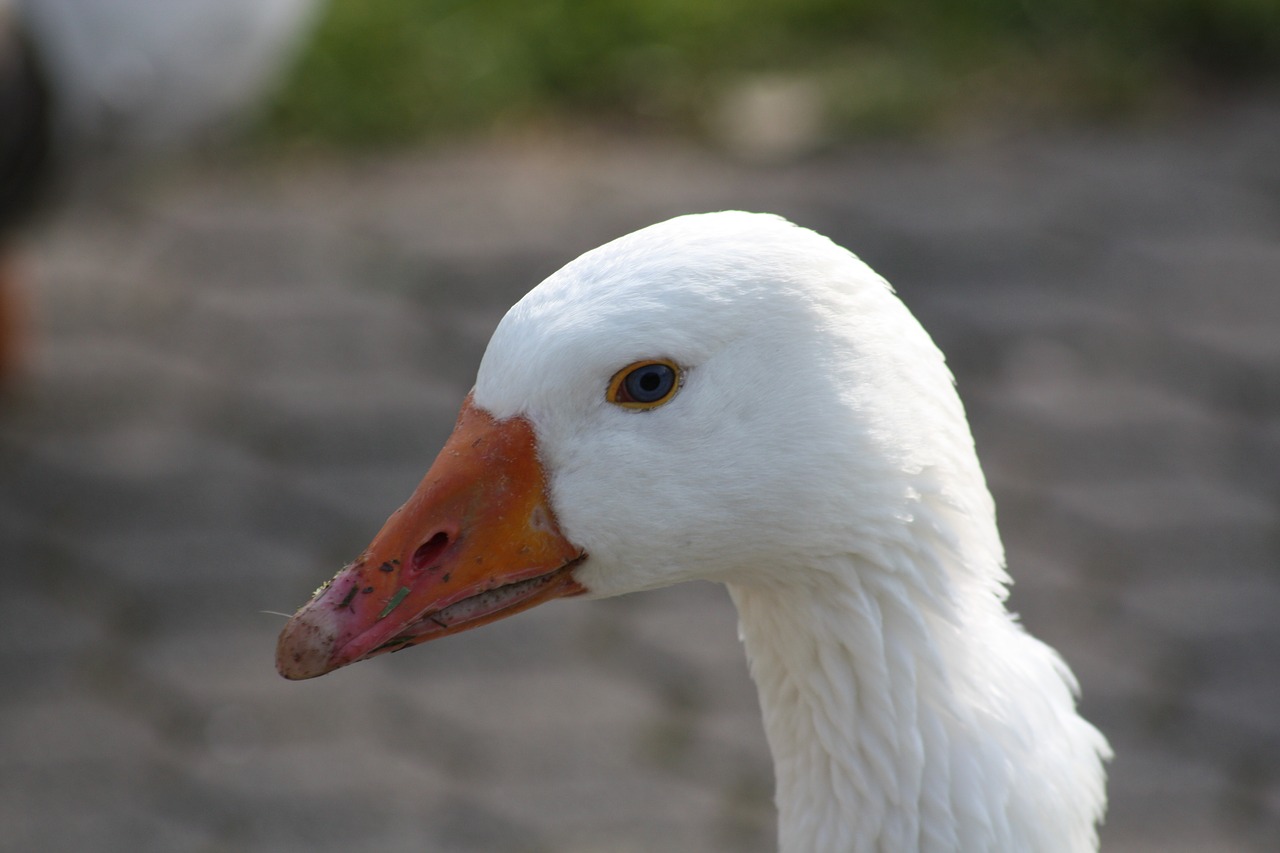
{"x":907,"y":718}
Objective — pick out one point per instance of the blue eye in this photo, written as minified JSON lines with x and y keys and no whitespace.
{"x":645,"y":384}
{"x":650,"y":383}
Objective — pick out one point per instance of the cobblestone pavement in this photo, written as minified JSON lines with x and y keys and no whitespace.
{"x":244,"y":369}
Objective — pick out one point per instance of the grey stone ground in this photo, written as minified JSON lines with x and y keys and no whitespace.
{"x":245,"y":368}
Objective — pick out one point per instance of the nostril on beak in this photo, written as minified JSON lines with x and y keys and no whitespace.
{"x":429,"y":552}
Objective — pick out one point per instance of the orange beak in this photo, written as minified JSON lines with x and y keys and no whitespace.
{"x":476,"y":542}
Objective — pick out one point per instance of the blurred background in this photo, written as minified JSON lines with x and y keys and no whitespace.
{"x":250,"y":255}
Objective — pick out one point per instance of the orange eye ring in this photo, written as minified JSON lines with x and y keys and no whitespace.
{"x":645,"y":384}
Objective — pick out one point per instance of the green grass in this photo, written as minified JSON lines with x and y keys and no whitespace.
{"x":397,"y":71}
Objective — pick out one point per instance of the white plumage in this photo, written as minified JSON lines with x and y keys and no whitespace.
{"x":818,"y":462}
{"x":816,"y":459}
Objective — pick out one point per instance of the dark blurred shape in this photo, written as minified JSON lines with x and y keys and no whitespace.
{"x":25,"y":132}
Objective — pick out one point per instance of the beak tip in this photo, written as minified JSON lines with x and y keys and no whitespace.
{"x":305,"y":647}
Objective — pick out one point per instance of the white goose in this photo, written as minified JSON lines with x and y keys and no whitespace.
{"x":86,"y":84}
{"x":731,"y":397}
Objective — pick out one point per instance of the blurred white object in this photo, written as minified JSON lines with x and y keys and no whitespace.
{"x":771,"y":118}
{"x":80,"y":79}
{"x":143,"y":74}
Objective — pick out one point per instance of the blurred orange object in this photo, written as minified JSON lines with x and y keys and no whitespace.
{"x":13,"y":319}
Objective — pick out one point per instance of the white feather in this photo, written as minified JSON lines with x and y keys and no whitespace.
{"x":818,"y":461}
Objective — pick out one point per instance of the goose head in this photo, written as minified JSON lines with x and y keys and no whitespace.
{"x":721,"y":396}
{"x":733,"y":398}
